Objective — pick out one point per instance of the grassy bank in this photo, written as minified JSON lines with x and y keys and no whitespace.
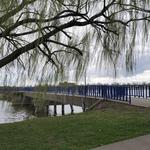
{"x":113,"y":122}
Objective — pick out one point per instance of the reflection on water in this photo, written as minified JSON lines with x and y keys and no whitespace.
{"x":67,"y":110}
{"x":9,"y":114}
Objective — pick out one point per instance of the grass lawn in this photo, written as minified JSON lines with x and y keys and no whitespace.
{"x":113,"y":122}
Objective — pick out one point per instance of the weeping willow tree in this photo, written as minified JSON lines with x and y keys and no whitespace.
{"x":42,"y":39}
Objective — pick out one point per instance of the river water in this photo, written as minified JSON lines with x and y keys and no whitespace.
{"x":10,"y":113}
{"x":67,"y":110}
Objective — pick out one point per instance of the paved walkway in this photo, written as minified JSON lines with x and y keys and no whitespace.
{"x":140,"y":102}
{"x":139,"y":143}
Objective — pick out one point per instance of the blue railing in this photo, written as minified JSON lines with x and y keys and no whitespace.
{"x":116,"y":92}
{"x":141,"y":91}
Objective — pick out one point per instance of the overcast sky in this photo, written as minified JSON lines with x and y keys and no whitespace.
{"x":140,"y":74}
{"x":105,"y":75}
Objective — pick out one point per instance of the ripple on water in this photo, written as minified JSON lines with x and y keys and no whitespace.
{"x":9,"y":115}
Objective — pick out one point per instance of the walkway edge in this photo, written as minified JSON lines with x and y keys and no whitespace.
{"x":138,"y":143}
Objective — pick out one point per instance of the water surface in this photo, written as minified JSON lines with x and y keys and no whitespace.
{"x":9,"y":114}
{"x":67,"y":110}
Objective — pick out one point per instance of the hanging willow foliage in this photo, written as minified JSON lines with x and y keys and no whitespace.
{"x":42,"y":39}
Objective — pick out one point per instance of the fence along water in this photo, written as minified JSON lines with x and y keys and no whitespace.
{"x":114,"y":92}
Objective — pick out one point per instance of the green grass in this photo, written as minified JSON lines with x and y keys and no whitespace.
{"x":113,"y":122}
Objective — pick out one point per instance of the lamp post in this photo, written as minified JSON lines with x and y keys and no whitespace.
{"x":85,"y":90}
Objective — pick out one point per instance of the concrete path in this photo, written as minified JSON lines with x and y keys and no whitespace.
{"x":139,"y":143}
{"x":140,"y":102}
